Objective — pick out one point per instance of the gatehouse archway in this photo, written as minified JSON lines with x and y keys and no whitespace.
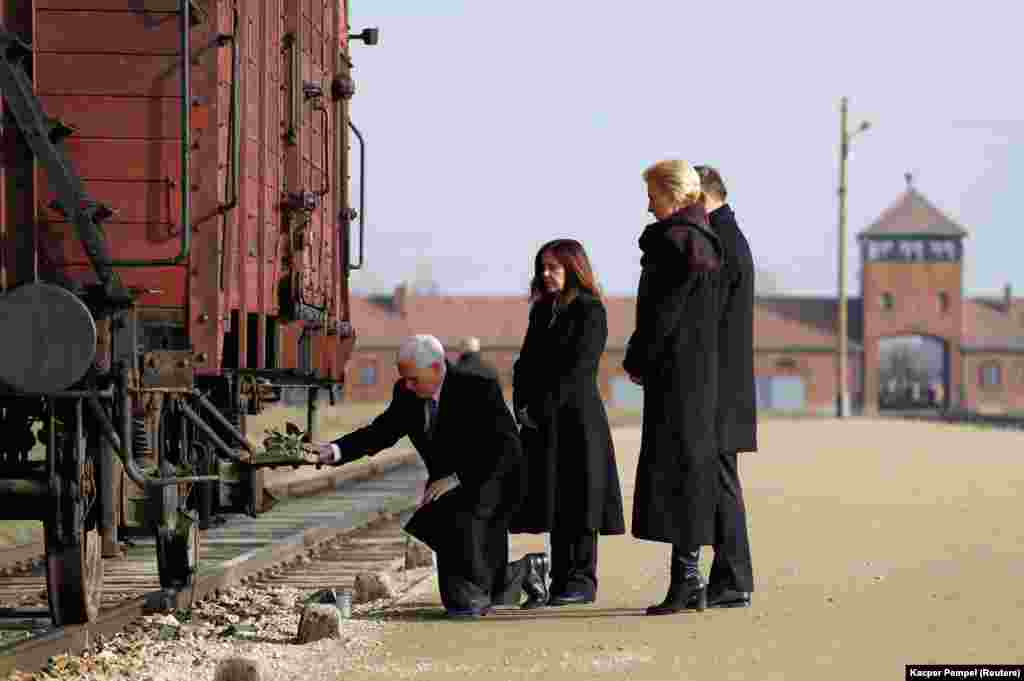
{"x":913,"y":373}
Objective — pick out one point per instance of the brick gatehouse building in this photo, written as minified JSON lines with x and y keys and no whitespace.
{"x":915,"y":340}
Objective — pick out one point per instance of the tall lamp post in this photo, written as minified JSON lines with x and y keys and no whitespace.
{"x":843,"y":399}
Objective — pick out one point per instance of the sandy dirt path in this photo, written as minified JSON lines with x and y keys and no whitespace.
{"x":876,"y":544}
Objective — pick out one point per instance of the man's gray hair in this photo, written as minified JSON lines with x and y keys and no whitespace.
{"x":471,"y":344}
{"x":423,"y":349}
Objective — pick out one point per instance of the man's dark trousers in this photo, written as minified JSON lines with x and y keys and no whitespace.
{"x":473,"y":437}
{"x":731,"y":567}
{"x":574,"y":563}
{"x":482,"y":550}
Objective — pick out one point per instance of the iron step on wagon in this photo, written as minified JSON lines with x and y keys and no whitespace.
{"x":175,"y":254}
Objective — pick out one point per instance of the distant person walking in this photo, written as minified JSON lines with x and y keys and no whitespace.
{"x":572,"y":486}
{"x":732,"y":577}
{"x":471,"y":362}
{"x":673,"y":353}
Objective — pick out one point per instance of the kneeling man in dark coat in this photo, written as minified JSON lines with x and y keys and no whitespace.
{"x":465,"y":433}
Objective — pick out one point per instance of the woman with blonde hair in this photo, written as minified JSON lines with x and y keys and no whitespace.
{"x":673,"y":354}
{"x":572,"y":488}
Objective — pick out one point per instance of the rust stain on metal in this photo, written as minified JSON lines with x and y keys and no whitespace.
{"x":103,"y":345}
{"x":168,"y":369}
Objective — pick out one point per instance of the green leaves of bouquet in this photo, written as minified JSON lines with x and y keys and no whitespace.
{"x":286,"y":445}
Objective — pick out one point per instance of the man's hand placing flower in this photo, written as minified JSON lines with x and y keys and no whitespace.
{"x":325,"y":453}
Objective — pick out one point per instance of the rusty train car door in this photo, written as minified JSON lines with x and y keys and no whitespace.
{"x":284,"y":249}
{"x":268,"y":180}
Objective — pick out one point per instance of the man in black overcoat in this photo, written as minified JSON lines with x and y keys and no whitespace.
{"x":463,"y":430}
{"x":471,"y":362}
{"x":732,"y":578}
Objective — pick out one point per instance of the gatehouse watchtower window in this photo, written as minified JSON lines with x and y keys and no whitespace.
{"x":943,"y":302}
{"x":887,"y":301}
{"x":881,"y":250}
{"x":942,"y":250}
{"x":912,"y":250}
{"x":991,"y":375}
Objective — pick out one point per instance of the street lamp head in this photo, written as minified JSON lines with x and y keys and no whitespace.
{"x":369,"y":36}
{"x":860,"y":128}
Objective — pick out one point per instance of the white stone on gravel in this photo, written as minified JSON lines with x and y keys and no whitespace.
{"x":238,"y":669}
{"x":203,"y":641}
{"x":372,"y":586}
{"x":319,"y":621}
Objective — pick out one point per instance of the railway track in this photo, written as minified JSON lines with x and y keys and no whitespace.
{"x":307,"y":542}
{"x":20,"y":558}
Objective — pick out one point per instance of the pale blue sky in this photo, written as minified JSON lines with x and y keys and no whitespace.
{"x":494,"y":126}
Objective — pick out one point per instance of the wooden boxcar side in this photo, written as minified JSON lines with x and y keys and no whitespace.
{"x":191,"y":158}
{"x":255,"y":268}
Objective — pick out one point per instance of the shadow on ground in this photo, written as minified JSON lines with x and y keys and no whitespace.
{"x":427,"y":611}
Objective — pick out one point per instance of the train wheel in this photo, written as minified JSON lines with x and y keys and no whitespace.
{"x":74,"y":578}
{"x":74,"y":551}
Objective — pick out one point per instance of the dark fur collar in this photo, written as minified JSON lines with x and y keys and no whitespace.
{"x":688,"y":234}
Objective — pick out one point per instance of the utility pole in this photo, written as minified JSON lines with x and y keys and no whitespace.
{"x":843,"y":398}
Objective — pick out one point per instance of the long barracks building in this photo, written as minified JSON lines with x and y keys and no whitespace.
{"x":915,"y":340}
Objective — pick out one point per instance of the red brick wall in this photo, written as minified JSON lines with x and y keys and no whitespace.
{"x":1008,"y":395}
{"x":383,"y":360}
{"x":915,"y":288}
{"x":817,"y":369}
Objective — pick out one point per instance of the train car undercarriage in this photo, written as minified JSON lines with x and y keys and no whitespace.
{"x":138,"y":440}
{"x":129,"y":451}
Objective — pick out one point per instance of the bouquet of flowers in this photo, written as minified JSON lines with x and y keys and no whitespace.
{"x":286,"y":447}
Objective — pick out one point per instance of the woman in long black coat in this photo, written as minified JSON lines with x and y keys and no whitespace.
{"x":673,"y":353}
{"x":572,"y":487}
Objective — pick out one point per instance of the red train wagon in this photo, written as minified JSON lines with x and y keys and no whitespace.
{"x":175,"y":214}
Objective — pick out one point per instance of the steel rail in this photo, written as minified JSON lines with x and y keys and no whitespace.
{"x":33,"y":654}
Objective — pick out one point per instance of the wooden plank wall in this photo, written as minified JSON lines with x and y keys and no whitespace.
{"x":111,"y":70}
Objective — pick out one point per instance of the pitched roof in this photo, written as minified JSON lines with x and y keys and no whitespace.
{"x":779,"y":321}
{"x":500,"y":321}
{"x":375,"y":325}
{"x":913,"y":215}
{"x":817,"y":313}
{"x":495,"y":320}
{"x":989,"y":325}
{"x":774,"y":331}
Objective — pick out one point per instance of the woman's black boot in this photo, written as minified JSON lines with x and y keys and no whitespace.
{"x":535,"y":583}
{"x":686,"y":590}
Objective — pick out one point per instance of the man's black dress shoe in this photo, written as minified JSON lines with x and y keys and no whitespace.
{"x":728,"y":598}
{"x":571,"y":599}
{"x":535,"y":583}
{"x":468,"y":613}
